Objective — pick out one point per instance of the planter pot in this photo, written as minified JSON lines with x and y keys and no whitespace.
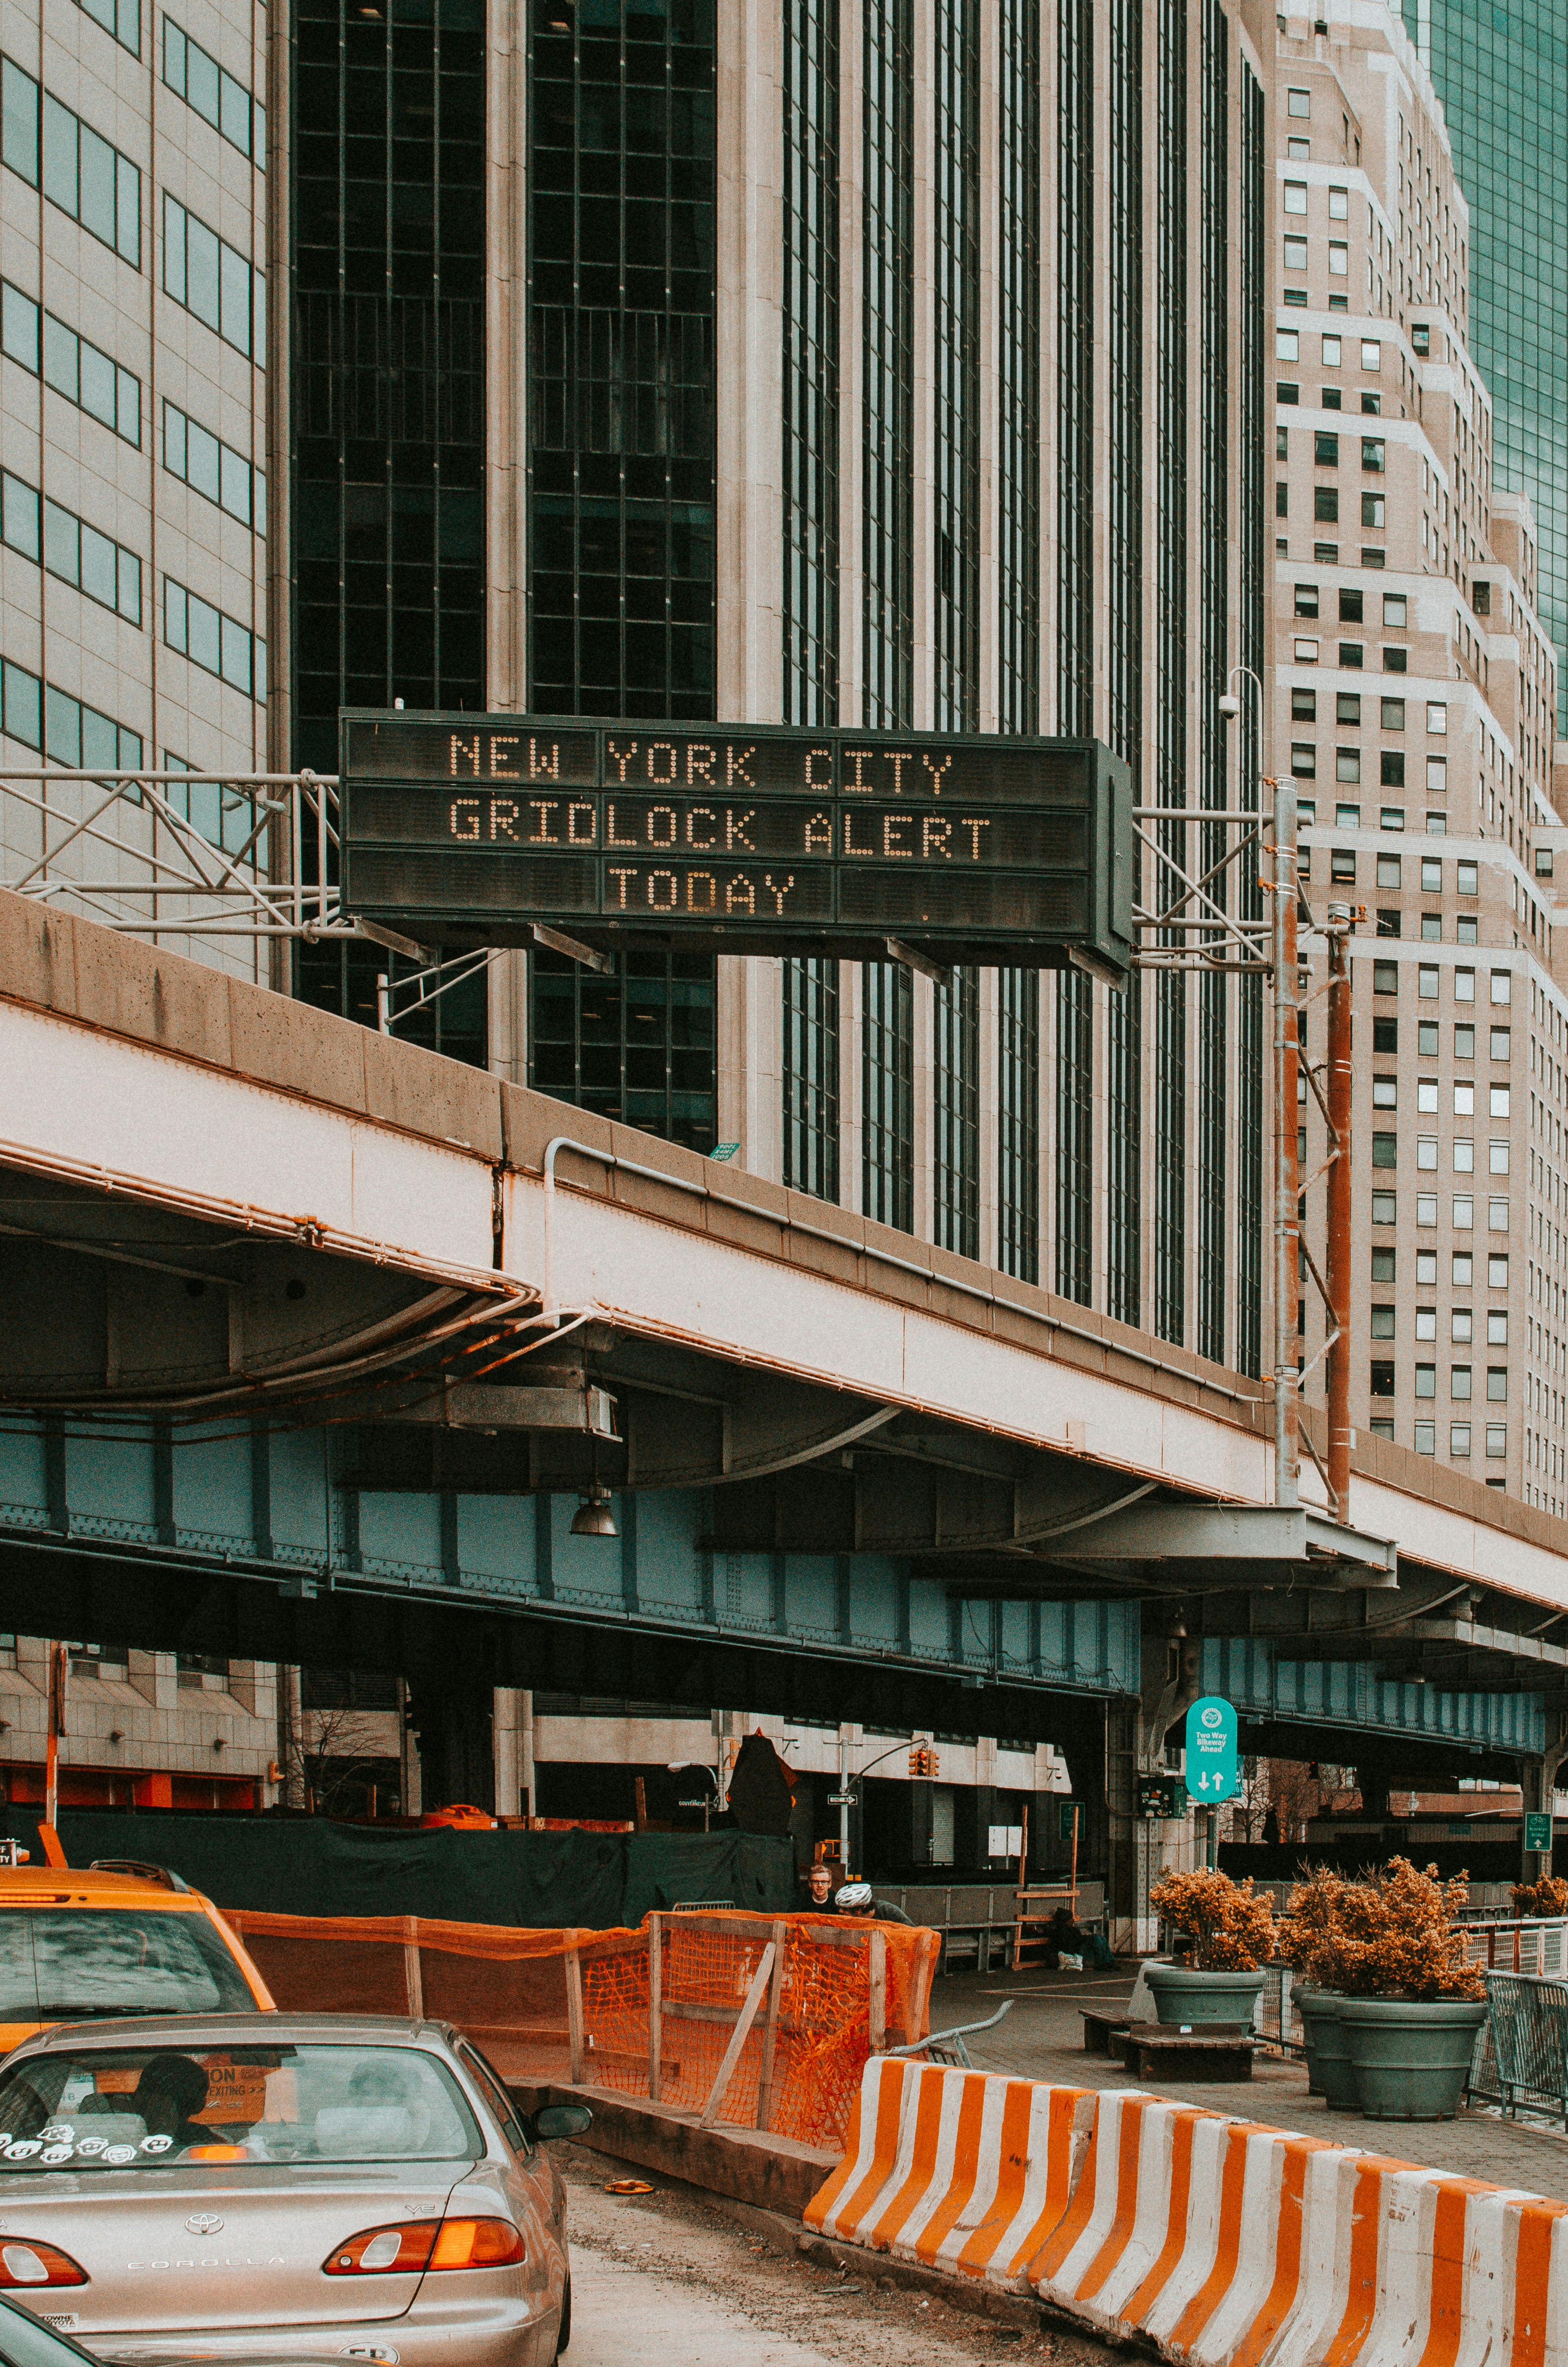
{"x":1329,"y":2073}
{"x":1409,"y":2060}
{"x":1318,"y":2009}
{"x":1183,"y":1996}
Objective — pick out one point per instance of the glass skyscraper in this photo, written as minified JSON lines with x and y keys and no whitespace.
{"x":1502,"y":76}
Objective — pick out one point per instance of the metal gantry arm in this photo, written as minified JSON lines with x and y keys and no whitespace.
{"x":1187,"y":925}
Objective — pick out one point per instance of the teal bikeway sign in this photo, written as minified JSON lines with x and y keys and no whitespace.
{"x":1213,"y":1770}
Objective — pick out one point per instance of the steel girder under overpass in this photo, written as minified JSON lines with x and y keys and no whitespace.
{"x":262,"y":1531}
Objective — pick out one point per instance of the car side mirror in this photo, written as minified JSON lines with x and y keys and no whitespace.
{"x":562,"y":2121}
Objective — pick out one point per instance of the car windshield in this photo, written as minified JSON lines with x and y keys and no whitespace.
{"x":151,"y":2107}
{"x":69,"y":1963}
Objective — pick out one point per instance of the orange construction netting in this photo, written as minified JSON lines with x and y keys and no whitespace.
{"x":518,"y":1994}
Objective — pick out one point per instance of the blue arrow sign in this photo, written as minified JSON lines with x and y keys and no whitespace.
{"x":1213,"y":1771}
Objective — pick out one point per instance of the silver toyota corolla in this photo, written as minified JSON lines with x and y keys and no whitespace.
{"x":349,"y":2186}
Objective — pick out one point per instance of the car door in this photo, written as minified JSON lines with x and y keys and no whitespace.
{"x":535,"y":2190}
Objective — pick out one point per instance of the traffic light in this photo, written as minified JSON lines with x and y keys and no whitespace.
{"x":923,"y":1764}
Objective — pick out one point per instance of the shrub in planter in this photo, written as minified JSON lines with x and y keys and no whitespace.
{"x":1408,"y":2006}
{"x":1231,"y":1934}
{"x":1547,"y":1897}
{"x":1303,"y":1941}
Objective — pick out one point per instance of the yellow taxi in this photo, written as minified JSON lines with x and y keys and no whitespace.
{"x":115,"y":1938}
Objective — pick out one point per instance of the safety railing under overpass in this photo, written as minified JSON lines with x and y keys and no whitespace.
{"x":1521,"y":2051}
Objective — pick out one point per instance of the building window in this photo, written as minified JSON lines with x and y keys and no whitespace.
{"x":1017,"y":1123}
{"x":213,"y":470}
{"x":811,"y":1076}
{"x":68,"y":548}
{"x":214,"y":93}
{"x":61,"y":727}
{"x":887,"y":1074}
{"x":81,"y":173}
{"x":220,"y":645}
{"x":810,"y":362}
{"x":1459,"y":1381}
{"x":1382,"y":1382}
{"x":82,"y":373}
{"x":1074,"y":1141}
{"x":1458,"y":1440}
{"x":213,"y":281}
{"x":1385,"y":1207}
{"x":1496,"y":1441}
{"x":1425,"y":1380}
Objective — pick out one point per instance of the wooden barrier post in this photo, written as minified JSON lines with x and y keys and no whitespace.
{"x":575,"y":2008}
{"x":739,"y":2035}
{"x":413,"y":1979}
{"x":770,"y":2034}
{"x":655,"y":2008}
{"x":877,"y":1990}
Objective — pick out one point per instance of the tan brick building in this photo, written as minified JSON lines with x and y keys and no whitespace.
{"x":1414,"y":695}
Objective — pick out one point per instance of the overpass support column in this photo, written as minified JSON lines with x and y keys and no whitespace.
{"x":1102,"y":1766}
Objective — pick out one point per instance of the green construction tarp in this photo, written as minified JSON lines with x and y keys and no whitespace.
{"x":308,"y":1865}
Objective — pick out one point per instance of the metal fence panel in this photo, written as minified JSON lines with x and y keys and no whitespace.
{"x":1521,"y":2054}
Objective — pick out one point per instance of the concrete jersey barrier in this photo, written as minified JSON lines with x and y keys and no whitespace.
{"x":1224,"y":2242}
{"x":966,"y":2170}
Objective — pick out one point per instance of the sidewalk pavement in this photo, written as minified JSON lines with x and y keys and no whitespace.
{"x":1042,"y":2039}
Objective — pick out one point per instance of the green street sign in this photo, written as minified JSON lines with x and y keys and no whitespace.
{"x":1537,"y":1830}
{"x":1213,"y":1770}
{"x":1066,"y":1811}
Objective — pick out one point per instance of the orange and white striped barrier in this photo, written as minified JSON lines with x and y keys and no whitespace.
{"x":967,"y":2171}
{"x":1234,"y":2245}
{"x":1223,"y":2241}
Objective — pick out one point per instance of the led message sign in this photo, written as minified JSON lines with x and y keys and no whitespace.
{"x":470,"y":829}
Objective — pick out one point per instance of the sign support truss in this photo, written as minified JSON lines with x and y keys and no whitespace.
{"x":1198,"y":919}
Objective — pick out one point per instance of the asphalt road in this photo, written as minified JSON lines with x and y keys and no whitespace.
{"x":664,"y":2278}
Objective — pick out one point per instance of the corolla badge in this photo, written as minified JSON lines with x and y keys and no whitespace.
{"x":204,"y":2222}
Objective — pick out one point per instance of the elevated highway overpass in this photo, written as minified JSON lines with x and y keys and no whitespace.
{"x":315,"y":1346}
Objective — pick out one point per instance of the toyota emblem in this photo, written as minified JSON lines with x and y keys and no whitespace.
{"x":204,"y":2222}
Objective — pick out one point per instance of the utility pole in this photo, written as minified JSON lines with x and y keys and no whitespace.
{"x":1287,"y":1164}
{"x":1337,"y":1372}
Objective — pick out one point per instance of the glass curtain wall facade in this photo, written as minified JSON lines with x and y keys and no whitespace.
{"x":1017,"y":1123}
{"x":886,"y":1094}
{"x":1017,"y":586}
{"x":811,"y":993}
{"x":1124,"y":618}
{"x":1252,"y":191}
{"x":1502,"y":76}
{"x":622,"y":485}
{"x":1214,"y":997}
{"x":1170,"y":720}
{"x":386,"y":404}
{"x":956,"y":1115}
{"x":887,"y":521}
{"x":1075,"y":596}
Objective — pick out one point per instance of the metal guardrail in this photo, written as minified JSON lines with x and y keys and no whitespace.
{"x":1521,"y":2050}
{"x":1530,"y":1944}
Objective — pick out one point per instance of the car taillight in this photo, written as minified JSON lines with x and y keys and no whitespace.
{"x":378,"y":2251}
{"x":420,"y":2244}
{"x":38,"y":2264}
{"x":476,"y":2244}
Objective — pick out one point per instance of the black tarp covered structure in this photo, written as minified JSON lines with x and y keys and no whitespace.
{"x":310,"y":1865}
